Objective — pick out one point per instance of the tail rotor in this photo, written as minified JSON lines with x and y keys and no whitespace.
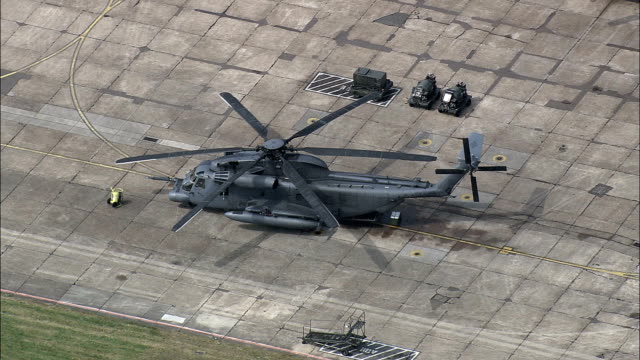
{"x":471,"y":162}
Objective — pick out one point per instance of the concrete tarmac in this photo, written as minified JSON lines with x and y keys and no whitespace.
{"x":555,"y":91}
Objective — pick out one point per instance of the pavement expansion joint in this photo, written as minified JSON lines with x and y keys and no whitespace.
{"x":508,"y":250}
{"x":560,"y":112}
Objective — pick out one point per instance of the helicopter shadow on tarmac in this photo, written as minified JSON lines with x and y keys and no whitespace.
{"x":243,"y":249}
{"x":263,"y":233}
{"x":442,"y":219}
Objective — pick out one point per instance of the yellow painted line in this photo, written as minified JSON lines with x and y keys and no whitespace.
{"x":41,"y":60}
{"x":79,"y":41}
{"x":76,"y":160}
{"x":74,"y":96}
{"x":506,"y":250}
{"x":109,"y":7}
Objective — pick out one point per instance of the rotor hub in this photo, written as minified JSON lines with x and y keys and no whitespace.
{"x":274,"y":144}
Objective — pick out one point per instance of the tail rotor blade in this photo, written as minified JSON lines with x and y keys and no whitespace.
{"x":451,"y":171}
{"x":474,"y":189}
{"x":492,"y":168}
{"x":467,"y":151}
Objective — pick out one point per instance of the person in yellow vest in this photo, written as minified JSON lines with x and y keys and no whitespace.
{"x":115,"y":197}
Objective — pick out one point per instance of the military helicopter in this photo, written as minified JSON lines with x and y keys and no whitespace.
{"x":276,"y":185}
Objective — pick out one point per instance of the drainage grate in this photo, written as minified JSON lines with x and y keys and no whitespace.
{"x":374,"y":350}
{"x":339,"y":86}
{"x":147,"y":138}
{"x":600,"y":190}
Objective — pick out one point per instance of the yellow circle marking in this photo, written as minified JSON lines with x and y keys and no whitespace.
{"x":500,"y":158}
{"x":311,"y":120}
{"x":508,"y":250}
{"x":416,"y":253}
{"x":466,"y":197}
{"x":425,"y":142}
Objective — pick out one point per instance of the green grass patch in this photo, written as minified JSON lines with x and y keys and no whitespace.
{"x":33,"y":330}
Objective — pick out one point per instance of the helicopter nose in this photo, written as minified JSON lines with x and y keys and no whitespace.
{"x":176,"y":194}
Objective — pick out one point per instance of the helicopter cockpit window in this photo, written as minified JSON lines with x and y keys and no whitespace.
{"x":200,"y":183}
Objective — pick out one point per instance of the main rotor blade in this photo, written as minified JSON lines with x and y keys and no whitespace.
{"x":491,"y":168}
{"x":176,"y":154}
{"x":336,"y":114}
{"x":467,"y":151}
{"x":307,"y":193}
{"x":474,"y":189}
{"x":213,"y":195}
{"x":245,"y":114}
{"x":367,"y":153}
{"x":451,"y":171}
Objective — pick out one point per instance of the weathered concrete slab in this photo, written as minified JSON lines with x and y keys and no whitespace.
{"x":555,"y":89}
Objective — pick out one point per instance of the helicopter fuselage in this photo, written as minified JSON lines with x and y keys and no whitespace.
{"x":265,"y":195}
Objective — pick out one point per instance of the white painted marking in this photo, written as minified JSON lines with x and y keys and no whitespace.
{"x":177,"y":144}
{"x":370,"y":349}
{"x":173,"y":318}
{"x":314,"y":88}
{"x":330,"y":83}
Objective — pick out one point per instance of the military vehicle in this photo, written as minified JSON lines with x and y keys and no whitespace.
{"x":275,"y":184}
{"x":367,"y":81}
{"x":425,"y":94}
{"x":455,"y":99}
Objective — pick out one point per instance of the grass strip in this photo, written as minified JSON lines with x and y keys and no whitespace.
{"x":34,"y":330}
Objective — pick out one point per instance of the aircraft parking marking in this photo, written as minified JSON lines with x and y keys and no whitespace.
{"x":506,"y":250}
{"x":79,"y":41}
{"x":108,"y":8}
{"x":373,"y":350}
{"x":499,"y":158}
{"x":77,"y":160}
{"x":334,"y":85}
{"x":425,"y":142}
